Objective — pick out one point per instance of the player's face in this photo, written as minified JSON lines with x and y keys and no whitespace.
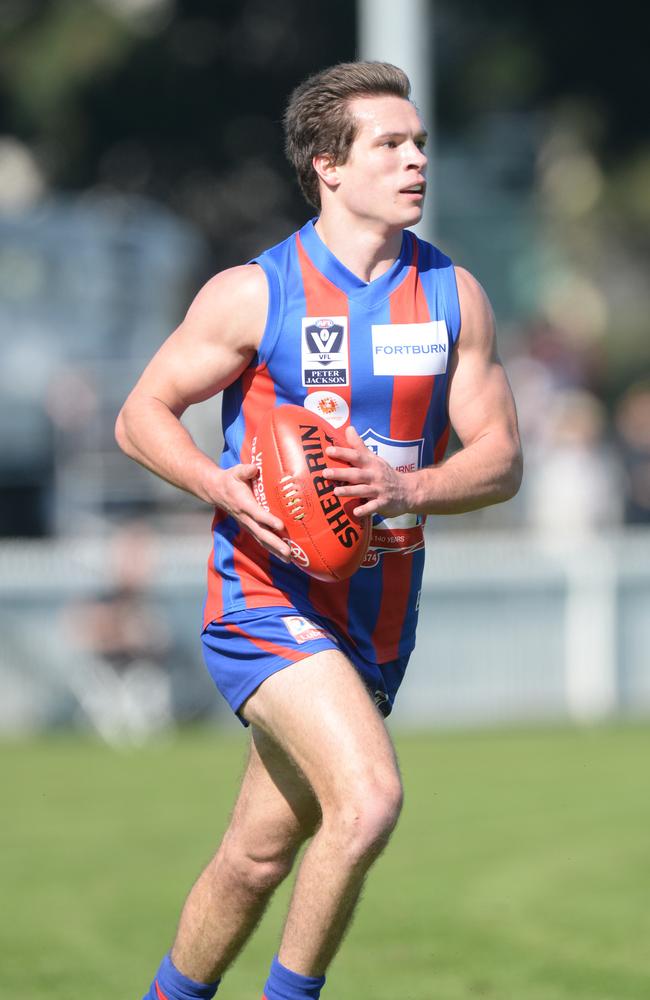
{"x":384,"y":178}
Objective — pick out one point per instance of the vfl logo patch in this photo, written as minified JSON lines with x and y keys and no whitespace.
{"x":324,"y":350}
{"x":410,"y":348}
{"x":329,"y":405}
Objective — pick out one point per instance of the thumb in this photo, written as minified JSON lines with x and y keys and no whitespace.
{"x":247,"y":471}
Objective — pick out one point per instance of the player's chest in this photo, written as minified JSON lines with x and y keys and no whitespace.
{"x":360,"y":349}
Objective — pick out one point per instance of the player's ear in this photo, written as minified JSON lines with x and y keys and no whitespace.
{"x":327,"y":169}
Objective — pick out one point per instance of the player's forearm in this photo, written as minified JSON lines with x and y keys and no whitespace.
{"x":148,"y":432}
{"x":484,"y":473}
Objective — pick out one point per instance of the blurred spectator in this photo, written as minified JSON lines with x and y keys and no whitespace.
{"x":569,"y":361}
{"x":548,"y":361}
{"x":534,"y":389}
{"x":632,"y":420}
{"x":574,"y":481}
{"x":126,"y":689}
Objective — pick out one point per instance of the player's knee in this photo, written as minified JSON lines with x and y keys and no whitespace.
{"x":265,"y":874}
{"x":365,"y":822}
{"x":383,"y":813}
{"x":260,"y":873}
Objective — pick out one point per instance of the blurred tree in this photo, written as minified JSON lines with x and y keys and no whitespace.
{"x":504,"y":55}
{"x":179,"y":101}
{"x":546,"y":99}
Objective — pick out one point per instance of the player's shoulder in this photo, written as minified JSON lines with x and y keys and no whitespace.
{"x":477,"y":318}
{"x":232,"y":305}
{"x":469,"y":288}
{"x":240,"y":286}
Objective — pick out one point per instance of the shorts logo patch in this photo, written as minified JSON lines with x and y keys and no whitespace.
{"x":410,"y":348}
{"x":302,"y":630}
{"x":329,"y":405}
{"x":324,"y":350}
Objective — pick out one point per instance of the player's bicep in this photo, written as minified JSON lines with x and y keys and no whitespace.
{"x":190,"y":367}
{"x":480,"y":399}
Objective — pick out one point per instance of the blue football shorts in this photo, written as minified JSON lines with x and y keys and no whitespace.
{"x":243,"y":648}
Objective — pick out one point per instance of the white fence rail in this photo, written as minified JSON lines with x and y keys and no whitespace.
{"x":510,"y":629}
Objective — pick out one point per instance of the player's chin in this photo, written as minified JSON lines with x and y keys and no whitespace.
{"x":410,"y":215}
{"x":415,"y":210}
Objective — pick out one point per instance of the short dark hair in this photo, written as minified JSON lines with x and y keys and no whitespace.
{"x":318,"y":119}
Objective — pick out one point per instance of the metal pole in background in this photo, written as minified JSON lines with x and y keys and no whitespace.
{"x":402,"y":33}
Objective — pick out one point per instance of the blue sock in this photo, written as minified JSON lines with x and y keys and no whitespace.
{"x":283,"y":984}
{"x":170,"y":984}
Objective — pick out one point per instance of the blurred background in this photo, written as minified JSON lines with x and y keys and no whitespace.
{"x":140,"y":152}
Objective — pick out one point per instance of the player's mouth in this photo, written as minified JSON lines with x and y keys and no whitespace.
{"x":415,"y":191}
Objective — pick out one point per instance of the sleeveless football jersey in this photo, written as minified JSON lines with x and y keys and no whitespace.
{"x":374,"y":354}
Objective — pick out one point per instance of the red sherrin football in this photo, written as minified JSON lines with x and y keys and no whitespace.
{"x":327,"y":541}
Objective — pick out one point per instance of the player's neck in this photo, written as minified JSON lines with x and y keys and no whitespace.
{"x":366,"y":251}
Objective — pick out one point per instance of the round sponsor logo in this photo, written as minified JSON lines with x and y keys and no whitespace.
{"x":328,"y":405}
{"x":297,"y":554}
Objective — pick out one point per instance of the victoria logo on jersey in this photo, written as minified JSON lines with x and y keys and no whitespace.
{"x":325,"y":350}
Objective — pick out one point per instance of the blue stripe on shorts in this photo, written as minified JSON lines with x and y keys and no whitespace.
{"x":243,"y":648}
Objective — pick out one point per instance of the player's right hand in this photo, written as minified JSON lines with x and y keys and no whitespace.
{"x":236,"y":497}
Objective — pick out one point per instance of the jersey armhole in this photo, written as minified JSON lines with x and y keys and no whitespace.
{"x":275,"y":311}
{"x":442,"y":286}
{"x":452,"y":303}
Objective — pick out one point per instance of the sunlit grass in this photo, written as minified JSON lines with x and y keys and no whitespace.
{"x":519,"y":870}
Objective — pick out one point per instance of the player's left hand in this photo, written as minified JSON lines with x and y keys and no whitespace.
{"x":386,"y":491}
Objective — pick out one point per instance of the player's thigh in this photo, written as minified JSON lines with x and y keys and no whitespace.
{"x":276,"y":809}
{"x":321,"y":713}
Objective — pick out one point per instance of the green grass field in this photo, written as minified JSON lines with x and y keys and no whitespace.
{"x":520,"y":869}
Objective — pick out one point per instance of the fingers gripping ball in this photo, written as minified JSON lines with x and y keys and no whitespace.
{"x":327,"y":541}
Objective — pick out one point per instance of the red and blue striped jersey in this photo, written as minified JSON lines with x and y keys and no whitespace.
{"x":374,"y":354}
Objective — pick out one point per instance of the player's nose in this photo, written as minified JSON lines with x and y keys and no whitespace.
{"x":416,"y":156}
{"x":421,"y":157}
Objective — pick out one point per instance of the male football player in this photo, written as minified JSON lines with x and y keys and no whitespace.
{"x":355,"y":318}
